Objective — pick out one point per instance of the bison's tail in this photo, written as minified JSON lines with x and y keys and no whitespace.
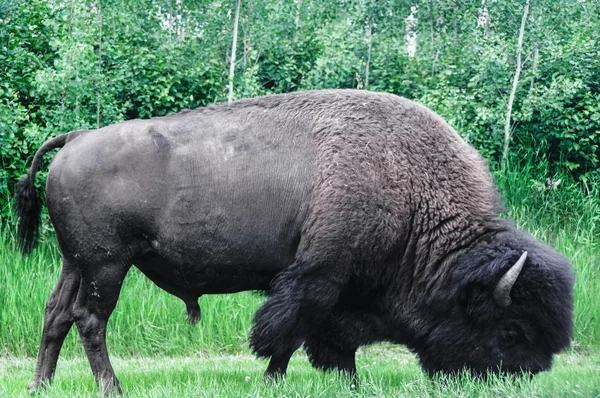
{"x":27,"y":202}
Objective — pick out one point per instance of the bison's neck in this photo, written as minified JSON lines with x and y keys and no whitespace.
{"x":423,"y":272}
{"x":439,"y":249}
{"x":426,"y":261}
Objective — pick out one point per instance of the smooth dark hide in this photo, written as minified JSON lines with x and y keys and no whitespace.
{"x":364,"y":215}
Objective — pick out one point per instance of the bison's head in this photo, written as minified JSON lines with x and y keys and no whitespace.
{"x":508,"y":309}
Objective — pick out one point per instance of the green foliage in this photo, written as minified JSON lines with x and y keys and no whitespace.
{"x":87,"y":64}
{"x":338,"y":64}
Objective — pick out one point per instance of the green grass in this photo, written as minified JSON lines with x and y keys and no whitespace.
{"x":212,"y":358}
{"x":568,"y":219}
{"x":146,"y":321}
{"x":384,"y":372}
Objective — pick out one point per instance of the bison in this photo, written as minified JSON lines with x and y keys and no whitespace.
{"x":364,"y":215}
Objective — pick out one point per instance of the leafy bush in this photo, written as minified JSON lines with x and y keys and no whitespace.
{"x":82,"y":64}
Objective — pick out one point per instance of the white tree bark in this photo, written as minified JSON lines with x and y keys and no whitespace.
{"x":233,"y":47}
{"x":507,"y":129}
{"x":411,"y":31}
{"x":99,"y":67}
{"x":370,"y":42}
{"x":298,"y":8}
{"x":536,"y":54}
{"x":170,"y":21}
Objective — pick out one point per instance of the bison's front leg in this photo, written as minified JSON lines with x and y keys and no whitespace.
{"x":328,"y":355}
{"x":278,"y":364}
{"x":334,"y":344}
{"x":303,"y":296}
{"x":96,"y":300}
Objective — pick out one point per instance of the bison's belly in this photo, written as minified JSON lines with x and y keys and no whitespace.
{"x":193,"y":280}
{"x":230,"y":245}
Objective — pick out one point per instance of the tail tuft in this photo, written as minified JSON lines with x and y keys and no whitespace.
{"x":28,"y":205}
{"x":28,"y":208}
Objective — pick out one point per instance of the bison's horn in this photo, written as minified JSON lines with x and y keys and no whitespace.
{"x":504,"y":286}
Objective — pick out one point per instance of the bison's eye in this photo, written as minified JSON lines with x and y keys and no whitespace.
{"x":513,"y":335}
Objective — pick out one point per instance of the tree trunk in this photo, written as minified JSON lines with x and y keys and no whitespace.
{"x":233,"y":46}
{"x":170,"y":21}
{"x":99,"y":67}
{"x":434,"y":49}
{"x":431,"y":21}
{"x":507,"y":129}
{"x":297,"y":19}
{"x":483,"y":20}
{"x":456,"y":26}
{"x":412,"y":31}
{"x":370,"y":39}
{"x":536,"y":54}
{"x":180,"y":25}
{"x":435,"y":60}
{"x":77,"y":84}
{"x":245,"y":42}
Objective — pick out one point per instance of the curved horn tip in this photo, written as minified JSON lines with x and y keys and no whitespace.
{"x":505,"y":284}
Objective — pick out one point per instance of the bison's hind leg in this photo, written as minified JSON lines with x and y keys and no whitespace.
{"x":97,"y":297}
{"x":58,"y":320}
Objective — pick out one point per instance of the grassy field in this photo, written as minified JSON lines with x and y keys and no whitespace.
{"x":158,"y":354}
{"x":384,"y":372}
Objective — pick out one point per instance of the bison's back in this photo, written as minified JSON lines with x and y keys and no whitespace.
{"x":355,"y":175}
{"x":199,"y":187}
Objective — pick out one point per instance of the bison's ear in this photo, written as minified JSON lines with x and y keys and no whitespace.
{"x":505,"y":284}
{"x":488,"y":285}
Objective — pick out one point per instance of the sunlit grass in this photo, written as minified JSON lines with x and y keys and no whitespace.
{"x":384,"y":372}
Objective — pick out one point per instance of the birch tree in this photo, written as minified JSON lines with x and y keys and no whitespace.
{"x":99,"y":67}
{"x":233,"y":47}
{"x":507,"y":128}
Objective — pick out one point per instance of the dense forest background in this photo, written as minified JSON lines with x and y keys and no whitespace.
{"x":75,"y":64}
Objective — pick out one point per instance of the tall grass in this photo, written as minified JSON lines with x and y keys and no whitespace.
{"x":146,"y":320}
{"x":149,"y":321}
{"x":565,"y":215}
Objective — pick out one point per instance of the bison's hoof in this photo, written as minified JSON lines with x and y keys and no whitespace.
{"x":35,"y":386}
{"x":111,"y":388}
{"x":193,"y":313}
{"x":273,"y":377}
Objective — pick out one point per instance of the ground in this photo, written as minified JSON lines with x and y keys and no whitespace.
{"x":385,"y":371}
